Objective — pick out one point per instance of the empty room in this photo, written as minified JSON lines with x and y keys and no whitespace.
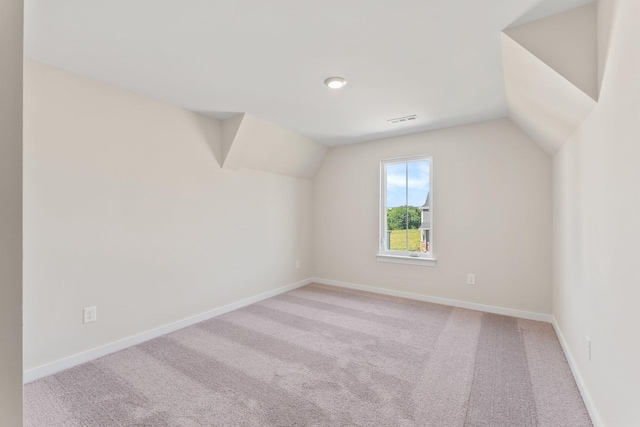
{"x":364,"y":213}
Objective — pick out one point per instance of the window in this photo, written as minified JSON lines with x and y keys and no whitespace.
{"x":406,"y":226}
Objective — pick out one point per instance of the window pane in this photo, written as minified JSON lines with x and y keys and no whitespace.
{"x":407,"y":206}
{"x":418,"y":174}
{"x":396,"y":207}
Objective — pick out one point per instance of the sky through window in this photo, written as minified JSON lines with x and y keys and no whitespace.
{"x":415,"y":175}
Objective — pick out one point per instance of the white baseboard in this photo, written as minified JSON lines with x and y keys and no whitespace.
{"x":87,"y":356}
{"x":593,"y":413}
{"x":586,"y":397}
{"x":443,"y":301}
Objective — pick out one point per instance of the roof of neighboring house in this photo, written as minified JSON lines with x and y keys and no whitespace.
{"x":426,"y":222}
{"x":426,"y":202}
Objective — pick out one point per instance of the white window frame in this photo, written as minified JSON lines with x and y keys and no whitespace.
{"x":404,"y":257}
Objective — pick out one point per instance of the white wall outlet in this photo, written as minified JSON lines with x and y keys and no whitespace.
{"x":298,"y":263}
{"x":90,"y":314}
{"x":471,"y":279}
{"x":588,"y":348}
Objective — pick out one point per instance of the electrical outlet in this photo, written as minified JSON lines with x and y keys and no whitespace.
{"x":471,"y":279}
{"x":588,"y":348}
{"x":90,"y":314}
{"x":297,"y":263}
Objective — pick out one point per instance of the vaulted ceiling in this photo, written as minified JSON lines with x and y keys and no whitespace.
{"x":438,"y":59}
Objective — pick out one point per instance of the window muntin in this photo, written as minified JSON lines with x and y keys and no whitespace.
{"x":406,"y":207}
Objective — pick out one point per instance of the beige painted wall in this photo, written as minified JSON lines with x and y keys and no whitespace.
{"x":566,"y":42}
{"x":492,"y":216}
{"x":127,"y":208}
{"x":597,"y":231}
{"x":11,"y":213}
{"x":541,"y":102}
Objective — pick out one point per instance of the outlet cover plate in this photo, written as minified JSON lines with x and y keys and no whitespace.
{"x":90,"y":314}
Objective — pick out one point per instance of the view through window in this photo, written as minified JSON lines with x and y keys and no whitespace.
{"x":406,"y":211}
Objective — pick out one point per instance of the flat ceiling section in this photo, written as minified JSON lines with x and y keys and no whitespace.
{"x":439,"y":60}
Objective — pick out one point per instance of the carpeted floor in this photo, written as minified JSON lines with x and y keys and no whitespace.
{"x":324,"y":356}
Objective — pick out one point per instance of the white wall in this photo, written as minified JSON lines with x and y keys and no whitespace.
{"x":127,"y":208}
{"x":597,"y":227}
{"x":492,"y":216}
{"x":11,"y":213}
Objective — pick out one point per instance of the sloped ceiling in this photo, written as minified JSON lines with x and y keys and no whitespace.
{"x":566,"y":42}
{"x":551,"y":74}
{"x":252,"y":143}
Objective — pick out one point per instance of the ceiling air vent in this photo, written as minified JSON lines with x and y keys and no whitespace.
{"x":403,"y":119}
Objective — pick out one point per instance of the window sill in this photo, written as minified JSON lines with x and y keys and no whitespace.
{"x":404,"y":259}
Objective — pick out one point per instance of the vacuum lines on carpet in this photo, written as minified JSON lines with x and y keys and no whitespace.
{"x":324,"y":356}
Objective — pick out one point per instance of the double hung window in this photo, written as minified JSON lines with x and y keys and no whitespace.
{"x":406,"y":210}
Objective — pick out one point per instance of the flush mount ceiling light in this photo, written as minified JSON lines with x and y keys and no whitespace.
{"x":335,"y":82}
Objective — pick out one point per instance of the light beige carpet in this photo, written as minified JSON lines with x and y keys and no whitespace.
{"x":324,"y":356}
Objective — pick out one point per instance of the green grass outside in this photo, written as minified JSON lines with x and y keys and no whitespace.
{"x":399,"y":240}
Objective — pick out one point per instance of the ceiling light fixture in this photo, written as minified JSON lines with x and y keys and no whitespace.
{"x":335,"y":82}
